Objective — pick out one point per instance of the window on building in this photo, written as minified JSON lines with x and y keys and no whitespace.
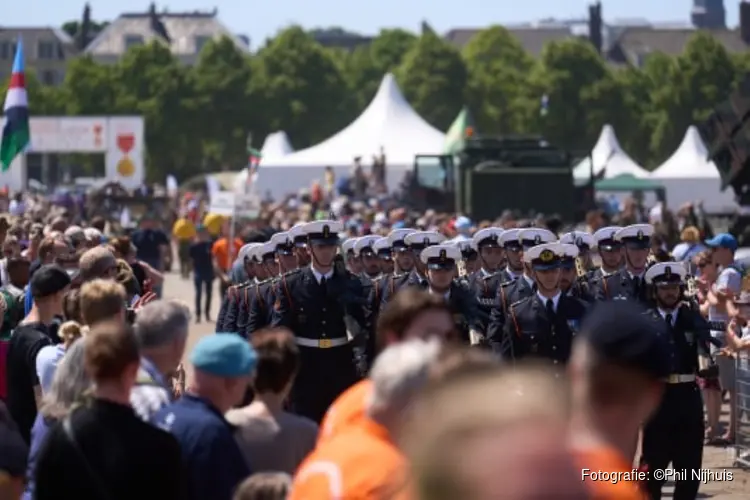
{"x":133,"y":40}
{"x":7,"y":50}
{"x":47,"y":50}
{"x":49,"y":77}
{"x":200,"y":42}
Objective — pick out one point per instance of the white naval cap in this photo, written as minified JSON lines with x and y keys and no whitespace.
{"x":324,"y":231}
{"x":398,"y":235}
{"x":245,"y":250}
{"x":607,"y":235}
{"x":536,"y":236}
{"x":424,"y":238}
{"x":297,"y":234}
{"x":365,"y":242}
{"x":669,"y":273}
{"x":441,"y":256}
{"x":262,"y":251}
{"x":546,"y":255}
{"x":281,"y":239}
{"x":348,"y":244}
{"x":465,"y":246}
{"x":510,"y":237}
{"x":382,"y":244}
{"x":636,"y":233}
{"x":569,"y":250}
{"x":578,"y":238}
{"x":489,"y":236}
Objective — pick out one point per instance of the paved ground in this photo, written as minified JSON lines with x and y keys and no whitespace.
{"x":715,"y":459}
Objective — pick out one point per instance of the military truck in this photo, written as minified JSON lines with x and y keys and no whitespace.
{"x":493,"y":174}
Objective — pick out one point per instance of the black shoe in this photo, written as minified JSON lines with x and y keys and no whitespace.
{"x":198,"y":318}
{"x":208,"y":317}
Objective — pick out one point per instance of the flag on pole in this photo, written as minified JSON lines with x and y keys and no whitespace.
{"x":16,"y":134}
{"x":461,"y":128}
{"x":253,"y":163}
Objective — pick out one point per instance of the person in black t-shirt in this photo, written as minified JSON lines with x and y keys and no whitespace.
{"x":203,"y":270}
{"x":48,"y":287}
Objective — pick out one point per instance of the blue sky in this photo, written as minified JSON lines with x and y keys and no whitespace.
{"x":262,"y":19}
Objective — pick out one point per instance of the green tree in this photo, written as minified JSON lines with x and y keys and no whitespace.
{"x":153,"y":83}
{"x":221,"y":78}
{"x":89,"y":88}
{"x":301,"y":87}
{"x":498,"y":68}
{"x":567,"y":73}
{"x":433,"y":78}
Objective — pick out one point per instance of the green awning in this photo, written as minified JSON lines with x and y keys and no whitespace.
{"x":627,"y":182}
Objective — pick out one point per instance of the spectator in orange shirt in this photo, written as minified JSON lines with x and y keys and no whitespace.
{"x":616,"y":372}
{"x":464,"y":444}
{"x":224,"y":254}
{"x":363,"y":461}
{"x":412,"y":314}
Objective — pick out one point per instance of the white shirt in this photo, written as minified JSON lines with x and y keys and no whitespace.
{"x":319,"y":276}
{"x":674,"y":313}
{"x":555,"y":300}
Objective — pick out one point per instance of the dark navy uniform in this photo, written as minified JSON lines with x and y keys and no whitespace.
{"x":383,"y":250}
{"x":462,"y":301}
{"x":320,"y":309}
{"x":416,"y":242}
{"x":538,"y":326}
{"x":675,"y":432}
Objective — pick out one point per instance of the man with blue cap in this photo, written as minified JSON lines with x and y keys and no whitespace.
{"x":627,"y":283}
{"x":223,"y":365}
{"x":325,"y":307}
{"x":541,"y":326}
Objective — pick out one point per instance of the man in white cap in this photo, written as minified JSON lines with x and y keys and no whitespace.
{"x":415,"y":242}
{"x":353,"y":263}
{"x":233,"y":292}
{"x":260,"y":303}
{"x":521,"y":287}
{"x":364,"y":250}
{"x":485,"y":282}
{"x":611,"y":256}
{"x":320,"y":304}
{"x":543,"y":324}
{"x":628,"y":283}
{"x":263,"y":260}
{"x":383,"y":250}
{"x":440,"y":262}
{"x":675,"y":433}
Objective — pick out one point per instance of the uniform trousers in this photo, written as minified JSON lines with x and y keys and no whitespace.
{"x":324,"y":374}
{"x":675,"y":435}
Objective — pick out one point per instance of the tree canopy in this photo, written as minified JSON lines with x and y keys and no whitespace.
{"x":198,"y":118}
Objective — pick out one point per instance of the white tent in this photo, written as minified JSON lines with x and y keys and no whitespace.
{"x":388,"y":122}
{"x":276,"y":145}
{"x":608,"y":157}
{"x":688,"y":175}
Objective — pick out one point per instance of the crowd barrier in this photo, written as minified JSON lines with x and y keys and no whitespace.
{"x":742,"y":412}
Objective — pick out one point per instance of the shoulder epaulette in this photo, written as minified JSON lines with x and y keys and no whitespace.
{"x":525,"y":299}
{"x":507,"y":283}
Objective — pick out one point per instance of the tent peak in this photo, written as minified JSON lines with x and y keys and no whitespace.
{"x":389,"y":91}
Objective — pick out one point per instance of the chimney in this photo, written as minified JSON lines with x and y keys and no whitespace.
{"x":745,"y":22}
{"x":595,"y":26}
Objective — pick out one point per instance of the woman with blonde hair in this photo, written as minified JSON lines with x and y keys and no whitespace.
{"x":68,"y":389}
{"x":49,"y":356}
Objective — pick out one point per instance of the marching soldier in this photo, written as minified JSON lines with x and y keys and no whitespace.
{"x":470,"y":258}
{"x":232,"y":296}
{"x":485,"y":282}
{"x":522,"y":287}
{"x":627,"y":283}
{"x":298,"y":236}
{"x":403,"y":257}
{"x":415,"y":242}
{"x":364,"y":252}
{"x":261,"y":302}
{"x":440,"y":262}
{"x":585,"y":242}
{"x":319,"y":304}
{"x":382,"y":248}
{"x":675,"y":432}
{"x":261,"y":258}
{"x":513,"y":255}
{"x":568,"y":269}
{"x":353,"y":263}
{"x":542,"y":325}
